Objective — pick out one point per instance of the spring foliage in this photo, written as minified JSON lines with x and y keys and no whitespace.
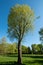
{"x":20,"y":20}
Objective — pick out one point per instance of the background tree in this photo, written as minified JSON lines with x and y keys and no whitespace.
{"x":3,"y":40}
{"x":20,"y":21}
{"x":3,"y":44}
{"x":33,"y":48}
{"x":41,"y":38}
{"x":11,"y":48}
{"x":39,"y":46}
{"x":36,"y":48}
{"x":29,"y":50}
{"x":41,"y":35}
{"x":24,"y":49}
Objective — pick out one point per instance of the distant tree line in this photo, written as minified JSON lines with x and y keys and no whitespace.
{"x":37,"y":48}
{"x":7,"y":48}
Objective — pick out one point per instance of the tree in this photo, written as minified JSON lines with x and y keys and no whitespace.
{"x":11,"y":48}
{"x":3,"y":40}
{"x":33,"y":48}
{"x":3,"y":44}
{"x":20,"y":21}
{"x":41,"y":38}
{"x":29,"y":50}
{"x":24,"y":49}
{"x":39,"y":48}
{"x":41,"y":35}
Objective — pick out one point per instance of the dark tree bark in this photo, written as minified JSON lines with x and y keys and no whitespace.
{"x":19,"y":53}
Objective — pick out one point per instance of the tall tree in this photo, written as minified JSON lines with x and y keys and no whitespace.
{"x":41,"y":38}
{"x":20,"y":21}
{"x":41,"y":35}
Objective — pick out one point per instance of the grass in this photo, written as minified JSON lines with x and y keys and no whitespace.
{"x":26,"y":60}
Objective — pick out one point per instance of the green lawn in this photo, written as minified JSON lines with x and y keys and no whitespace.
{"x":26,"y":60}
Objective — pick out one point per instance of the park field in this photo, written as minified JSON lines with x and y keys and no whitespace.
{"x":26,"y":60}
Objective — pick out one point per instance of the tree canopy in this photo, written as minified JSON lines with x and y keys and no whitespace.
{"x":20,"y":20}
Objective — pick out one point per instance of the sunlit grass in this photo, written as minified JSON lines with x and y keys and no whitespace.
{"x":6,"y":59}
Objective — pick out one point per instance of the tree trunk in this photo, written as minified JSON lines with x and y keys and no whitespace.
{"x":19,"y":53}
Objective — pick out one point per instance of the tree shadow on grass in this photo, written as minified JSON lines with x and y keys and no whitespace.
{"x":10,"y":63}
{"x":34,"y":62}
{"x":36,"y":56}
{"x":33,"y":56}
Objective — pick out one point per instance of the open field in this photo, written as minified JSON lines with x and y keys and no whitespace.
{"x":26,"y":60}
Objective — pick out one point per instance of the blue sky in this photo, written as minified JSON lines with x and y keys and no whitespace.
{"x":36,"y":5}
